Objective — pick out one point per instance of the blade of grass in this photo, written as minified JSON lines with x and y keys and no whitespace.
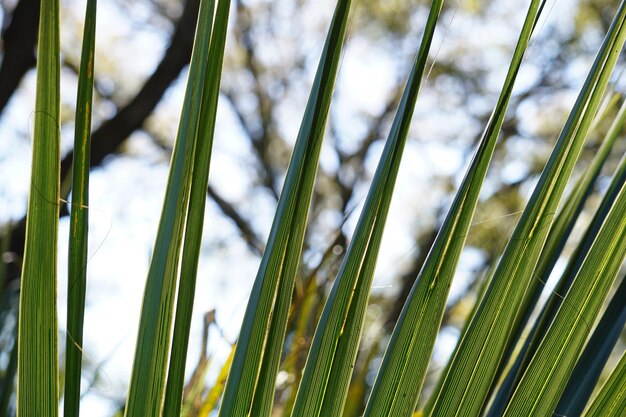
{"x":147,"y":384}
{"x":38,"y":374}
{"x":565,"y":220}
{"x":79,"y":219}
{"x":195,"y":217}
{"x":430,"y":403}
{"x":251,"y":381}
{"x":543,"y":382}
{"x":556,"y":240}
{"x":401,"y":374}
{"x":359,"y":385}
{"x":333,"y":351}
{"x":593,"y":359}
{"x":478,"y":355}
{"x":541,"y":325}
{"x":611,"y":400}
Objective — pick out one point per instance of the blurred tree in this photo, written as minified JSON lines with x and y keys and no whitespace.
{"x":270,"y":58}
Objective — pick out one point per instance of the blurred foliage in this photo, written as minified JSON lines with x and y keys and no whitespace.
{"x":270,"y":57}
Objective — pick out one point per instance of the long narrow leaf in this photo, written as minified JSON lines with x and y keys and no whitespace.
{"x":428,"y":407}
{"x":565,"y":220}
{"x":593,"y":359}
{"x":334,"y":347}
{"x":544,"y":381}
{"x":147,"y":385}
{"x":401,"y":375}
{"x":559,"y":232}
{"x":479,"y":353}
{"x":611,"y":400}
{"x":77,"y":269}
{"x":195,"y":217}
{"x":251,"y":380}
{"x":37,"y":381}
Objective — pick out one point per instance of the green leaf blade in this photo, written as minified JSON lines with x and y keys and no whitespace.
{"x":38,"y":390}
{"x":479,"y":353}
{"x":541,"y":325}
{"x":611,"y":400}
{"x":333,"y":352}
{"x":565,"y":220}
{"x":398,"y":383}
{"x":77,"y":270}
{"x":251,"y":380}
{"x":195,"y":218}
{"x":148,"y":379}
{"x":548,"y":372}
{"x":593,"y":359}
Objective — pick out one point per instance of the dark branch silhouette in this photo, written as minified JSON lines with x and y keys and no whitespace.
{"x":112,"y":133}
{"x":19,"y":39}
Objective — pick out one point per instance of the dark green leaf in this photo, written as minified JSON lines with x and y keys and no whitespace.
{"x":77,"y":270}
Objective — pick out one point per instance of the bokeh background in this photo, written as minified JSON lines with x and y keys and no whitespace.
{"x":143,"y":48}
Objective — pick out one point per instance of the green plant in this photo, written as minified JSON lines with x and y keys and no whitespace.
{"x":471,"y":384}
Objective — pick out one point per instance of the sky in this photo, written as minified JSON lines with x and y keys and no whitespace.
{"x":126,"y":190}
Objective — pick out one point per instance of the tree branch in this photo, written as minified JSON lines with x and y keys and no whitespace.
{"x":251,"y":238}
{"x":114,"y":131}
{"x":19,"y":39}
